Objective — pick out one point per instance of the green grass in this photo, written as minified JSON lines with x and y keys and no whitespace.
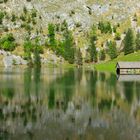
{"x":110,"y":65}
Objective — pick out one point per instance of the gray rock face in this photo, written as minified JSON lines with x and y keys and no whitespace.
{"x":51,"y":8}
{"x":9,"y":60}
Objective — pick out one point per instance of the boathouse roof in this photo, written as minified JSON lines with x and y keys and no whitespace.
{"x":128,"y":65}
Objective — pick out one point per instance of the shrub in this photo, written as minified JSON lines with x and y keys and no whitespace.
{"x":105,"y":27}
{"x":8,"y":42}
{"x":117,"y":36}
{"x":72,"y":12}
{"x":34,"y":13}
{"x":1,"y":17}
{"x":25,"y":10}
{"x":13,"y":19}
{"x":23,"y":18}
{"x":78,"y":24}
{"x":26,"y":26}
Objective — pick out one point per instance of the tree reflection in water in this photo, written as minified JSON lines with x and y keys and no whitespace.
{"x":86,"y":102}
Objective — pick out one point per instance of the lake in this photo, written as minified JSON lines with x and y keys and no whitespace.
{"x":68,"y":104}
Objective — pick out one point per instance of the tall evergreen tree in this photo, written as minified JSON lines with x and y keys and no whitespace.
{"x":37,"y":59}
{"x":92,"y":46}
{"x":112,"y":50}
{"x":102,"y":55}
{"x":28,"y":48}
{"x":79,"y":59}
{"x":1,"y":17}
{"x":138,"y":41}
{"x":52,"y":40}
{"x":129,"y":42}
{"x":68,"y":44}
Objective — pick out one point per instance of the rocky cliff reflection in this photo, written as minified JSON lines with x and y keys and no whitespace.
{"x":67,"y":104}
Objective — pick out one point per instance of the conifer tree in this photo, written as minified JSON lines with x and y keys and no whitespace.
{"x":102,"y":55}
{"x":79,"y":59}
{"x":37,"y":59}
{"x":112,"y":49}
{"x":92,"y":46}
{"x":138,"y":41}
{"x":129,"y":42}
{"x":52,"y":40}
{"x":68,"y":45}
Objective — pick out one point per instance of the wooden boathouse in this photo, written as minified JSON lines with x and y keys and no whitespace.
{"x":126,"y":68}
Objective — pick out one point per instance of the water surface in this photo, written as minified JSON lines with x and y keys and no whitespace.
{"x":68,"y":104}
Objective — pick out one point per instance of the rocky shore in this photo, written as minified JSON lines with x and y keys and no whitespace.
{"x":8,"y":59}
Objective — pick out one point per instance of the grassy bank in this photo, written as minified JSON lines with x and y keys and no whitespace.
{"x":110,"y":65}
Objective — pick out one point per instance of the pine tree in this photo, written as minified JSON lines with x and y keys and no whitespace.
{"x":129,"y":42}
{"x":79,"y":59}
{"x":1,"y":17}
{"x":68,"y":45}
{"x":92,"y":46}
{"x":37,"y":59}
{"x":52,"y":40}
{"x":102,"y":55}
{"x":112,"y":49}
{"x":138,"y":41}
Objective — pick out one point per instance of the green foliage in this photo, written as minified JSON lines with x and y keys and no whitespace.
{"x":28,"y":19}
{"x":8,"y":42}
{"x":78,"y":24}
{"x":33,"y":22}
{"x":28,"y":48}
{"x":26,"y":26}
{"x":34,"y":13}
{"x":129,"y":42}
{"x":22,"y":17}
{"x":117,"y":36}
{"x":111,"y":65}
{"x":36,"y":49}
{"x":51,"y":102}
{"x":57,"y":27}
{"x":64,"y":26}
{"x":64,"y":48}
{"x":102,"y":55}
{"x":52,"y":40}
{"x":115,"y":28}
{"x":5,"y":1}
{"x":1,"y":17}
{"x":79,"y":59}
{"x":25,"y":10}
{"x":59,"y":50}
{"x":105,"y":27}
{"x":138,"y":41}
{"x":37,"y":59}
{"x":13,"y":19}
{"x":68,"y":46}
{"x":72,"y":12}
{"x":92,"y":47}
{"x":112,"y":49}
{"x":90,"y":12}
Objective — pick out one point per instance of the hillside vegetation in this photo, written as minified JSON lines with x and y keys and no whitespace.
{"x":71,"y":31}
{"x":111,"y":65}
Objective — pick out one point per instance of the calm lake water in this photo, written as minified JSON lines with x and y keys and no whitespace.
{"x":68,"y":104}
